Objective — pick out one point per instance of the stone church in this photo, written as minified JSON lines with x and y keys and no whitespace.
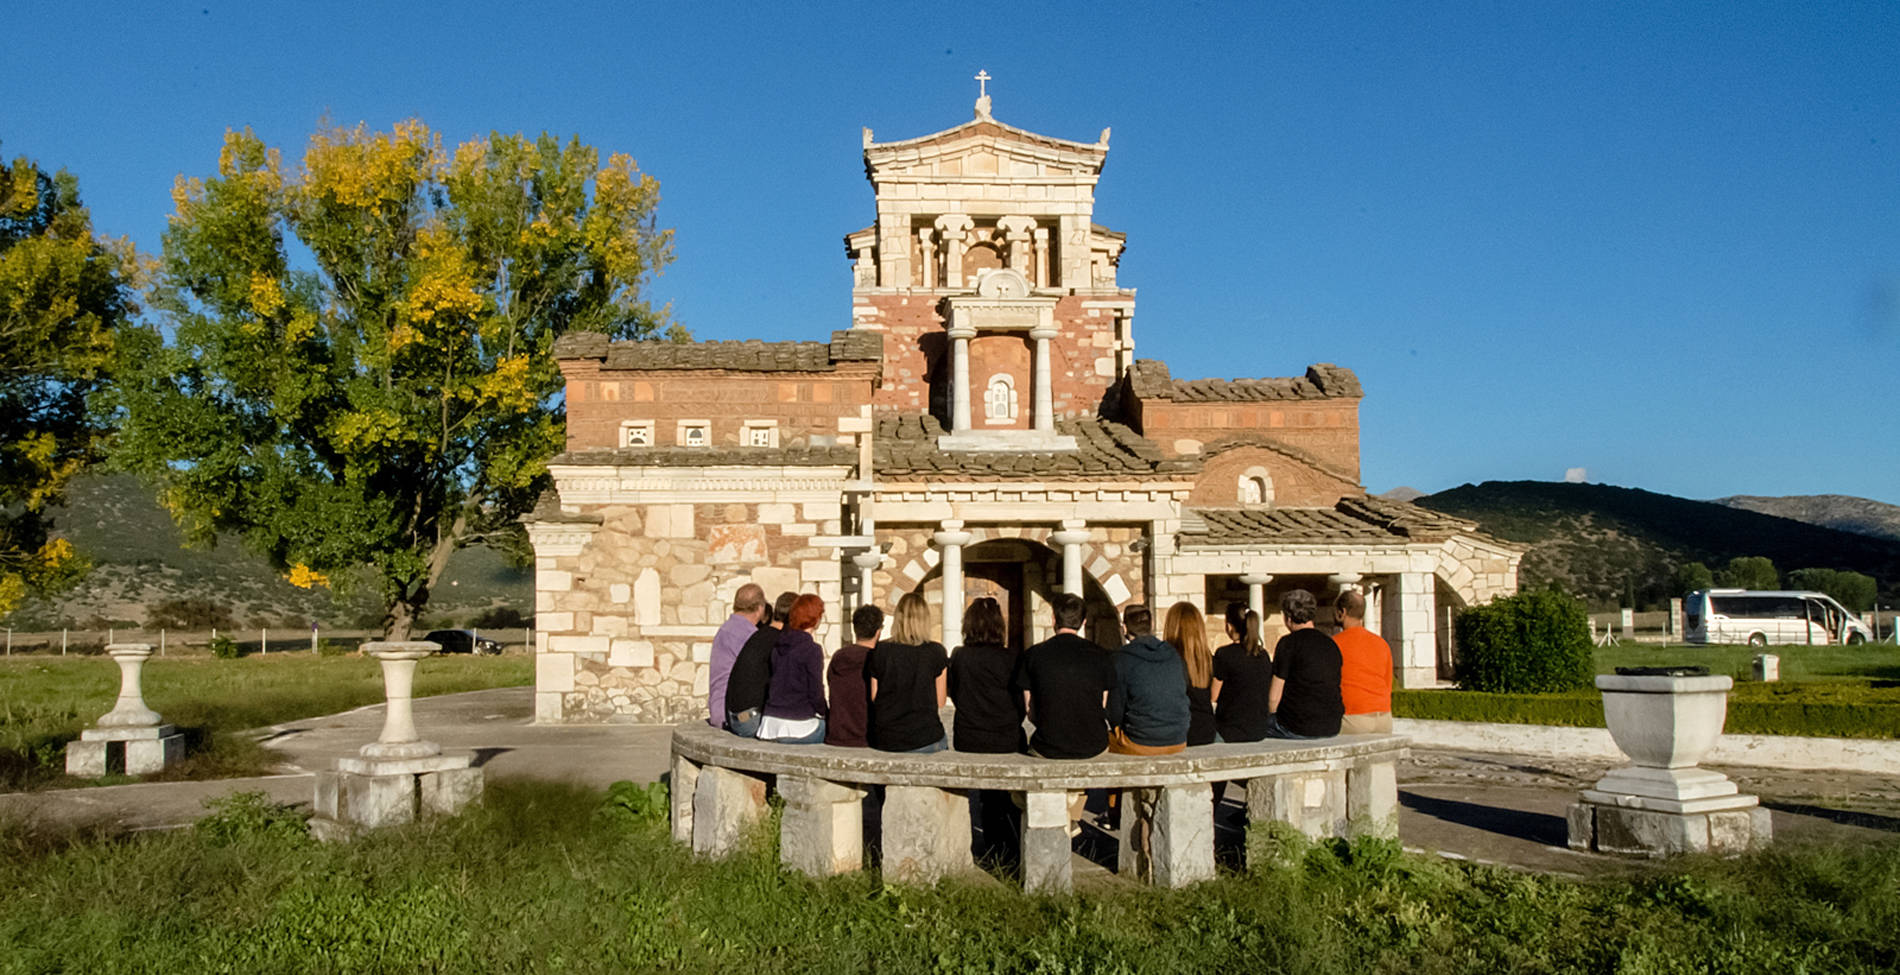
{"x":983,"y":427}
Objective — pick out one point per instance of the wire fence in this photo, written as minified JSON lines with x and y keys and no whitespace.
{"x":262,"y":640}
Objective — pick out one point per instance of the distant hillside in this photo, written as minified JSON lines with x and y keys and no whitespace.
{"x":140,"y":560}
{"x":1862,"y":516}
{"x":1610,"y":543}
{"x":1403,"y":493}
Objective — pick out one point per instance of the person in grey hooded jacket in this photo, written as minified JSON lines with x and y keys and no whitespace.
{"x":1148,"y":710}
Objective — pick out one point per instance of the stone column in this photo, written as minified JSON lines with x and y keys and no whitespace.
{"x":1041,"y":277}
{"x":1256,"y":583}
{"x":821,"y":829}
{"x":927,"y":252}
{"x":1045,"y":394}
{"x":960,"y":336}
{"x":1411,"y":618}
{"x":1016,"y":234}
{"x":1072,"y":537}
{"x":1168,"y":834}
{"x":953,"y":227}
{"x":952,"y":539}
{"x":926,"y":833}
{"x":1045,"y":848}
{"x":866,"y":563}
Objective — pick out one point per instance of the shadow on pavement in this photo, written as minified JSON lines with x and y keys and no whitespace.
{"x":485,"y":755}
{"x":1515,"y":823}
{"x":1845,"y":817}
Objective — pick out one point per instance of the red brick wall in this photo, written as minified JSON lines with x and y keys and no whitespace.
{"x":916,"y":350}
{"x":1295,"y":485}
{"x":1327,"y":429}
{"x":804,"y":404}
{"x":1010,"y":353}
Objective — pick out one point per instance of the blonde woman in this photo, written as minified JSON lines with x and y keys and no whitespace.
{"x":1185,"y":630}
{"x":1243,"y":678}
{"x":908,"y":683}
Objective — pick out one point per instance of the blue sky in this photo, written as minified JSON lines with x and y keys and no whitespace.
{"x":1659,"y":242}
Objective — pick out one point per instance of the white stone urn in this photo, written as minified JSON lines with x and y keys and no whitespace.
{"x":1665,"y":719}
{"x":130,"y":710}
{"x":399,"y":738}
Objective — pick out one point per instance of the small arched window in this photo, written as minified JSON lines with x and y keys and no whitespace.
{"x":1255,"y":487}
{"x":999,"y":399}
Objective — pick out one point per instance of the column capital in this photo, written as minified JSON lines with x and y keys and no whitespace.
{"x":951,"y":535}
{"x":1342,"y":580}
{"x":1043,"y":333}
{"x":1070,"y":536}
{"x":868,"y":560}
{"x":961,"y":331}
{"x":1256,"y":579}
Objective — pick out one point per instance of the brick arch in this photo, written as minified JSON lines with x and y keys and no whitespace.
{"x":918,"y":568}
{"x":1296,"y":483}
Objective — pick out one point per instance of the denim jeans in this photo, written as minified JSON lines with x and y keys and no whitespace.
{"x":935,"y":746}
{"x":745,"y":723}
{"x":1277,"y":730}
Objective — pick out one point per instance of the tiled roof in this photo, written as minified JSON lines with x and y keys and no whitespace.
{"x":1351,"y":520}
{"x":713,"y":457}
{"x":907,"y":446}
{"x":1150,"y":380}
{"x":547,"y":510}
{"x":850,"y":345}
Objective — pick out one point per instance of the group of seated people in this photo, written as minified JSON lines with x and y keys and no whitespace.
{"x":1156,"y":695}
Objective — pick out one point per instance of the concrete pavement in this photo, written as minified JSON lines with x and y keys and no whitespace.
{"x":1492,"y":808}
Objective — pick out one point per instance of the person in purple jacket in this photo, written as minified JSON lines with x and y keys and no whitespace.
{"x":795,"y":701}
{"x":748,"y":608}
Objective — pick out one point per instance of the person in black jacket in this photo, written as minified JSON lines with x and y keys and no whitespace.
{"x":752,"y":671}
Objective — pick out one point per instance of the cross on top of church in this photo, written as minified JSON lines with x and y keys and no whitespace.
{"x":982,"y":94}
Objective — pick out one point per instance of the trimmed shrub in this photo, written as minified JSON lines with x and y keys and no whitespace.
{"x":1530,"y":643}
{"x":224,"y":648}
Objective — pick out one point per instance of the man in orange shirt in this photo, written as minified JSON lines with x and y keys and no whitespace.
{"x":1365,"y":671}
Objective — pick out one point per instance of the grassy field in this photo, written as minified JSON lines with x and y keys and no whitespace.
{"x":45,"y":701}
{"x":543,"y":878}
{"x":1837,"y":692}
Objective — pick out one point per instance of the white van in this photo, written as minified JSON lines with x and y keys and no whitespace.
{"x":1759,"y":618}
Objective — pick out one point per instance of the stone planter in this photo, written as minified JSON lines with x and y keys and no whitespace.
{"x":131,"y":738}
{"x":400,"y":775}
{"x":1665,"y":720}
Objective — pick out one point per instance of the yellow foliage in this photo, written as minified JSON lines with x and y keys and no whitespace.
{"x":446,"y":285}
{"x":20,"y":191}
{"x":267,"y":298}
{"x":357,"y":168}
{"x":507,"y":388}
{"x":12,"y":590}
{"x":369,"y":428}
{"x":304,"y":577}
{"x":56,"y":552}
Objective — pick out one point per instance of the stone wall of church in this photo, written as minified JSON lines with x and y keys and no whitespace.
{"x":804,"y":408}
{"x":1084,"y":362}
{"x":1326,"y":428}
{"x":1291,"y":483}
{"x":625,"y":628}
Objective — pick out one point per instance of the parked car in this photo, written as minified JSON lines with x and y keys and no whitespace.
{"x":464,"y":641}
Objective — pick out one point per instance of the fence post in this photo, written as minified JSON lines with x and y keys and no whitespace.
{"x":161,"y":641}
{"x":62,"y":641}
{"x":263,"y":640}
{"x":9,"y":641}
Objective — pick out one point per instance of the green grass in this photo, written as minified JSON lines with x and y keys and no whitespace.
{"x":46,"y":701}
{"x":538,"y":879}
{"x":1834,"y":692}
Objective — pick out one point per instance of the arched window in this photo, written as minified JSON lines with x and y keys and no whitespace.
{"x":1255,"y":487}
{"x":999,"y":399}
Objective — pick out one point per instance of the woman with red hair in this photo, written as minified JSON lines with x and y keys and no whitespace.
{"x":795,"y":700}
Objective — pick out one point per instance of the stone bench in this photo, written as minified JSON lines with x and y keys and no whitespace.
{"x":1342,"y":786}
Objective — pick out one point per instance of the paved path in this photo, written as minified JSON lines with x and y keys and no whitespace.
{"x":1503,"y":809}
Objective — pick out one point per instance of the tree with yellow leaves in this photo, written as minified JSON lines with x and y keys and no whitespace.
{"x":359,"y":371}
{"x":64,"y":294}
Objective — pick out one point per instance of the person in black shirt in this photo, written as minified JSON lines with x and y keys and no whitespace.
{"x":1243,"y":678}
{"x":989,"y":717}
{"x":752,"y":671}
{"x":1065,"y":681}
{"x":908,"y":683}
{"x":1304,"y":701}
{"x":1186,"y":631}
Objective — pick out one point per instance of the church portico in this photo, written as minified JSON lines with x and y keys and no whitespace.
{"x":981,"y":428}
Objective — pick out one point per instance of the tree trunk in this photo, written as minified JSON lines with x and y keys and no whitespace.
{"x":399,"y":618}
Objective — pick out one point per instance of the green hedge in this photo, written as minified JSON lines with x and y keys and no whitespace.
{"x":1846,"y":712}
{"x":1533,"y":642}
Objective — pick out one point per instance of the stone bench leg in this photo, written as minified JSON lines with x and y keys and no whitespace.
{"x":926,"y":833}
{"x":726,"y":807}
{"x":1168,"y":834}
{"x":1312,"y":802}
{"x":821,"y":828}
{"x":1046,"y":860}
{"x":1372,"y":799}
{"x":681,"y":788}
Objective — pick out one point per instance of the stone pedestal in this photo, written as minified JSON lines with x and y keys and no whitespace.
{"x":1046,"y":861}
{"x":1168,"y":835}
{"x":1314,"y":802}
{"x":130,"y":739}
{"x":399,"y":777}
{"x":727,"y":806}
{"x":1662,"y":803}
{"x":821,"y":828}
{"x":926,"y":834}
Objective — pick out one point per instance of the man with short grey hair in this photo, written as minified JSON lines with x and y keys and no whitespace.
{"x":1304,"y":700}
{"x":748,"y":608}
